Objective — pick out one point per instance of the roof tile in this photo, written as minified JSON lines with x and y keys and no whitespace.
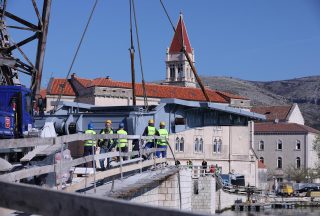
{"x":273,"y":112}
{"x":282,"y":127}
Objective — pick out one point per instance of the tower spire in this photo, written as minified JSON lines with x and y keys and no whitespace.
{"x":178,"y":69}
{"x":180,"y":38}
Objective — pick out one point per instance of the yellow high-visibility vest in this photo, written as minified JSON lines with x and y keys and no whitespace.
{"x":151,"y":132}
{"x":163,"y":132}
{"x":109,"y":132}
{"x":122,"y":142}
{"x":90,"y":142}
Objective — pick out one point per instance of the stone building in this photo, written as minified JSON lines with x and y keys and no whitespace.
{"x":284,"y":140}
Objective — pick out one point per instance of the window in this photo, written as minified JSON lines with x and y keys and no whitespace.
{"x":180,"y":71}
{"x":177,"y":144}
{"x":201,"y":145}
{"x":279,"y":145}
{"x":298,"y":145}
{"x":298,"y":162}
{"x":198,"y":145}
{"x":219,"y":146}
{"x":182,"y":144}
{"x":261,"y":145}
{"x":172,"y":71}
{"x":261,"y":159}
{"x":279,"y":163}
{"x":215,"y":145}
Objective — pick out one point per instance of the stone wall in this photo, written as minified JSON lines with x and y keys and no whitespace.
{"x":203,"y":196}
{"x":225,"y":200}
{"x":166,"y":193}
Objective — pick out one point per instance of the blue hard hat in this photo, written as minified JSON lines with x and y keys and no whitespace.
{"x":90,"y":126}
{"x":121,"y":125}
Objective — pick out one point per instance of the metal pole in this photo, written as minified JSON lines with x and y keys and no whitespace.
{"x":131,"y":50}
{"x":41,"y":47}
{"x":61,"y":158}
{"x":140,"y":154}
{"x":94,"y":168}
{"x":120,"y":156}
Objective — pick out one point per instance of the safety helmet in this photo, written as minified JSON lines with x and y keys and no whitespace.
{"x":121,"y":125}
{"x":108,"y":122}
{"x":90,"y":126}
{"x":151,"y":121}
{"x":162,"y":123}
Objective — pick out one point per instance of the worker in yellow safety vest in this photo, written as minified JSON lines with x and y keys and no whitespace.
{"x":122,"y":143}
{"x":106,"y":145}
{"x":89,"y":145}
{"x":150,"y":130}
{"x":162,"y":143}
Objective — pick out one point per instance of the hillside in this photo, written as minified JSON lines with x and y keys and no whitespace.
{"x":304,"y":91}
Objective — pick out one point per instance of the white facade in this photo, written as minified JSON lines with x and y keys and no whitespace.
{"x":295,"y":115}
{"x":230,"y":147}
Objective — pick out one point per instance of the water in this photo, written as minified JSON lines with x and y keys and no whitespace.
{"x":282,"y":212}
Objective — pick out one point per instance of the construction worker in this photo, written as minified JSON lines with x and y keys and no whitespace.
{"x":89,"y":145}
{"x":106,"y":145}
{"x":150,"y":130}
{"x":122,"y":143}
{"x":162,"y":143}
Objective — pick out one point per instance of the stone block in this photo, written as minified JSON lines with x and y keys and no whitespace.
{"x":163,"y":190}
{"x":168,"y":197}
{"x":161,"y":197}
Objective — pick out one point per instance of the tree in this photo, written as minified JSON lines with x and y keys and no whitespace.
{"x":301,"y":174}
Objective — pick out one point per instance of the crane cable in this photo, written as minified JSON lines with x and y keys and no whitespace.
{"x":75,"y":56}
{"x":145,"y":97}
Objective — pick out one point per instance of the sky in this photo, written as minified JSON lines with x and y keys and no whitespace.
{"x":259,"y":40}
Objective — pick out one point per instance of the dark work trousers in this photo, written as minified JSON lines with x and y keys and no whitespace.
{"x":123,"y":149}
{"x":104,"y":149}
{"x":88,"y":151}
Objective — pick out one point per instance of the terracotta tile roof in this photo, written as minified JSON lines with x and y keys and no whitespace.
{"x":55,"y":85}
{"x":162,"y":91}
{"x":261,"y":165}
{"x":43,"y":93}
{"x":179,"y":37}
{"x":282,"y":127}
{"x":273,"y":112}
{"x":153,"y":90}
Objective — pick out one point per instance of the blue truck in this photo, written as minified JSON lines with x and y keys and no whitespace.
{"x":16,"y":111}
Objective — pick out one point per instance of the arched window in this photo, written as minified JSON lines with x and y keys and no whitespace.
{"x":298,"y":145}
{"x":279,"y":145}
{"x":181,"y":145}
{"x":215,"y":145}
{"x":261,"y":159}
{"x":201,"y":145}
{"x":261,"y":145}
{"x":279,"y":163}
{"x":177,"y":144}
{"x":172,"y":72}
{"x":196,"y":145}
{"x":219,"y":146}
{"x":298,"y":162}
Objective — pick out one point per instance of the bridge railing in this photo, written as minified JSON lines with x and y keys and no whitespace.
{"x":53,"y":145}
